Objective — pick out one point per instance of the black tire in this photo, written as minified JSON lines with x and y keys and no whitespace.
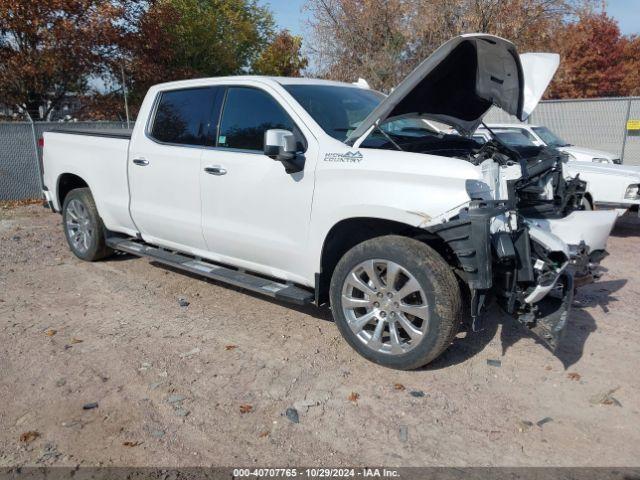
{"x":96,"y":248}
{"x":435,"y":277}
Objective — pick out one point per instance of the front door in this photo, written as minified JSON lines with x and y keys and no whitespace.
{"x":164,"y":168}
{"x":254,"y":214}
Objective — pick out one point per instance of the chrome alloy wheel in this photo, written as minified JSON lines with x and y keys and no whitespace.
{"x":385,"y":306}
{"x":79,"y":228}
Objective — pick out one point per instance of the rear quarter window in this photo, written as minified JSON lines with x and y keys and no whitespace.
{"x":184,"y":117}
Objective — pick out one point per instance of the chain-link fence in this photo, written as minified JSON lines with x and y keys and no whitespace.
{"x":596,"y":123}
{"x":599,"y":123}
{"x":18,"y":158}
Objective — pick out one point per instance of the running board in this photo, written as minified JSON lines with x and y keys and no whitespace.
{"x":271,"y":288}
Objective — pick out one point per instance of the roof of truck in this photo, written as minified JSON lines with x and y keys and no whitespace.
{"x":260,"y":78}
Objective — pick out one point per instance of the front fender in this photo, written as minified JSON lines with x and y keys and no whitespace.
{"x":405,"y":197}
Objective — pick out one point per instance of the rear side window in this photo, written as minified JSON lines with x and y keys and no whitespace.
{"x":247,"y":114}
{"x":184,"y":117}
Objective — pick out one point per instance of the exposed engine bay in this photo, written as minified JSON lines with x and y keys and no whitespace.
{"x":503,"y":252}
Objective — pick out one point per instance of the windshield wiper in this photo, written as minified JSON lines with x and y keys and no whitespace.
{"x":385,"y":135}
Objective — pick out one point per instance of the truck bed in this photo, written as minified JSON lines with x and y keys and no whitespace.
{"x":98,"y":158}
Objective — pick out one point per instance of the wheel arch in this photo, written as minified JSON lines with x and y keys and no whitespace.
{"x":67,"y":182}
{"x":349,"y":232}
{"x":589,"y":198}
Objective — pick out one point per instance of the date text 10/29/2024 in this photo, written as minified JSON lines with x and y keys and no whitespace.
{"x":315,"y":472}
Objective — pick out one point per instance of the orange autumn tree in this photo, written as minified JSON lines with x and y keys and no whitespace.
{"x":49,"y":48}
{"x":594,"y":59}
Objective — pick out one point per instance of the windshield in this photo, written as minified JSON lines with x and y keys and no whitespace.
{"x":407,"y":127}
{"x":338,"y":110}
{"x":514,"y":139}
{"x":550,"y":138}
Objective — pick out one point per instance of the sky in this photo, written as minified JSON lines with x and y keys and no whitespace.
{"x":627,"y":12}
{"x":289,"y":14}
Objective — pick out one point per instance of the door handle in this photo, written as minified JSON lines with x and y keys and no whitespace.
{"x":143,"y":162}
{"x":215,"y":170}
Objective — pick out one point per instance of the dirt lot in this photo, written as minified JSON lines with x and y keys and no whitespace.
{"x":172,"y":382}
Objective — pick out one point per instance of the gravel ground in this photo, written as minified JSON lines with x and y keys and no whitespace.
{"x":210,"y":383}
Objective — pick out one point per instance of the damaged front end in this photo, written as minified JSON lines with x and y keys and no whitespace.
{"x":508,"y":247}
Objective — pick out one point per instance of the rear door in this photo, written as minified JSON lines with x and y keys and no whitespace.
{"x":164,"y":167}
{"x":254,"y":214}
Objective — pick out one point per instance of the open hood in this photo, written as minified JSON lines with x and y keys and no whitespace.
{"x":463,"y":79}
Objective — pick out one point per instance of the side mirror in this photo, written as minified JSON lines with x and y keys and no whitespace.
{"x":281,"y":145}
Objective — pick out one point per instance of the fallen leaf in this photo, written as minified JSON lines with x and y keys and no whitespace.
{"x":548,"y":368}
{"x":398,"y":386}
{"x":51,"y":332}
{"x":28,"y":437}
{"x":263,"y":434}
{"x":573,"y":376}
{"x":246,"y":408}
{"x":76,"y":340}
{"x":605,"y":398}
{"x":132,"y":444}
{"x":231,"y":347}
{"x":354,"y":397}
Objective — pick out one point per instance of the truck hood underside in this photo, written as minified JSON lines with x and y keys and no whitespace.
{"x":463,"y":79}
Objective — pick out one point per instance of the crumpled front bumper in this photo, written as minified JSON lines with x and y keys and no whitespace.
{"x":549,"y":320}
{"x":581,"y":237}
{"x":581,"y":227}
{"x":530,"y":265}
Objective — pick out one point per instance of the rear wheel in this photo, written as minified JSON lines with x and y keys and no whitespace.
{"x":396,"y":301}
{"x":83,"y":227}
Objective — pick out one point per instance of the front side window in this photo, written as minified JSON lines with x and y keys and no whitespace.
{"x":338,"y":110}
{"x":184,"y":117}
{"x":247,"y":114}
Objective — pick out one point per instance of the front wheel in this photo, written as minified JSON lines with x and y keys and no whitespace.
{"x":83,"y":227}
{"x":396,"y":301}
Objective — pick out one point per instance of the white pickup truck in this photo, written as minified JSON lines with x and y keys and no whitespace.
{"x":305,"y":190}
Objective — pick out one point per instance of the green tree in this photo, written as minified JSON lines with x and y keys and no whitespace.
{"x":179,"y":39}
{"x":282,"y":57}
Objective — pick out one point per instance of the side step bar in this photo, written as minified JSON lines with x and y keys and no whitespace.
{"x":271,"y":288}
